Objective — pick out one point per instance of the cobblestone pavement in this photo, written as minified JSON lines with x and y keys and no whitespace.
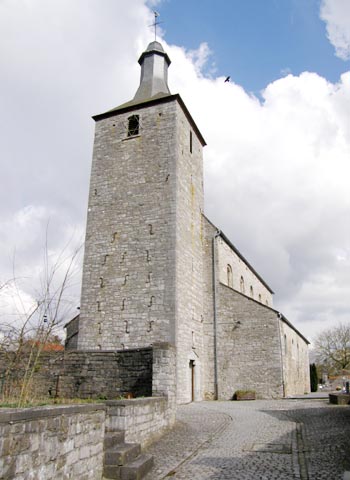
{"x":257,"y":440}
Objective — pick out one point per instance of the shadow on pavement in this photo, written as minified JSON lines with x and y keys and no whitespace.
{"x":318,"y":449}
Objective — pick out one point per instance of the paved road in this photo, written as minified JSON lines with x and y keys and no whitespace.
{"x":257,"y":440}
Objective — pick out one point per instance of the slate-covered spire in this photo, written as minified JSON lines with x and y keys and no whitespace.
{"x":154,"y":73}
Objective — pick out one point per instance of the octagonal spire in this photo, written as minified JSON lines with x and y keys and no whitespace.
{"x":154,"y":72}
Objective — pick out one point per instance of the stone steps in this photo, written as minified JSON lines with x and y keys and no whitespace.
{"x":124,"y":461}
{"x":113,"y":438}
{"x":137,"y":469}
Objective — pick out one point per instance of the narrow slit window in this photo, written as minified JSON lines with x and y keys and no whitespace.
{"x":133,"y":125}
{"x":229,"y":276}
{"x":190,"y":141}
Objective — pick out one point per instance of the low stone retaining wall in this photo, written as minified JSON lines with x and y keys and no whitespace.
{"x":142,"y":419}
{"x":339,"y":398}
{"x":83,"y":374}
{"x":67,"y":442}
{"x":58,"y":443}
{"x":103,"y":374}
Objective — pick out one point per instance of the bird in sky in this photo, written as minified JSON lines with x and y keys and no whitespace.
{"x":227,"y":79}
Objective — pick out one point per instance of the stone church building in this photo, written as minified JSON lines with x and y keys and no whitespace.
{"x":157,"y":270}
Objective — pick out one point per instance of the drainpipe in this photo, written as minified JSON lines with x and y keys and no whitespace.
{"x":279,"y":318}
{"x":216,"y":390}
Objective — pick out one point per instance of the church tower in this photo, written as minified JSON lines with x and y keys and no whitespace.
{"x":143,"y":266}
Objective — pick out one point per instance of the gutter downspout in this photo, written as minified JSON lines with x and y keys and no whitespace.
{"x":216,"y":389}
{"x":279,"y":317}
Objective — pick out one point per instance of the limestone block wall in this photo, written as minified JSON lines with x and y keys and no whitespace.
{"x":142,"y":419}
{"x":72,"y":331}
{"x":208,"y":328}
{"x":67,"y":442}
{"x":296,"y":361}
{"x":164,"y":375}
{"x":91,"y":374}
{"x":87,"y":374}
{"x":12,"y":371}
{"x":128,"y":285}
{"x":46,"y":443}
{"x":189,"y":261}
{"x":142,"y":275}
{"x":252,"y":286}
{"x":145,"y":419}
{"x":249,"y":346}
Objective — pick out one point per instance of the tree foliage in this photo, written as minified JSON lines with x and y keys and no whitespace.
{"x":332,"y":348}
{"x":34,"y":321}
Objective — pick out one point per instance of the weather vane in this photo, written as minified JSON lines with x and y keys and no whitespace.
{"x":156,"y":15}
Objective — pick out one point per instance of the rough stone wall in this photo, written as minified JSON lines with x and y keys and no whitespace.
{"x":208,"y":234}
{"x":189,"y":260}
{"x":52,"y":443}
{"x":226,"y":256}
{"x":91,"y":374}
{"x":128,"y":287}
{"x":143,"y":419}
{"x":164,"y":375}
{"x":67,"y":442}
{"x":72,"y":331}
{"x":12,"y":371}
{"x":249,"y":346}
{"x":142,"y":276}
{"x":296,"y":369}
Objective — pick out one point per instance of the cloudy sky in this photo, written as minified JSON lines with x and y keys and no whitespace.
{"x":277,"y":164}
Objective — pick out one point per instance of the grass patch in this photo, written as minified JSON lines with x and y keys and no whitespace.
{"x":41,"y":402}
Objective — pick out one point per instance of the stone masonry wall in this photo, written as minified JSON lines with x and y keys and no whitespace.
{"x":249,"y":346}
{"x":106,"y":374}
{"x":208,"y":234}
{"x":143,"y":419}
{"x":189,"y":261}
{"x":67,"y":442}
{"x":164,"y":376}
{"x":47,"y":443}
{"x":46,"y":371}
{"x":128,"y":286}
{"x":252,"y":284}
{"x":72,"y":331}
{"x":296,"y":369}
{"x":84,"y":374}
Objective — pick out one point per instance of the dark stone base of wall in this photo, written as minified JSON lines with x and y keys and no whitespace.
{"x":89,"y":374}
{"x":339,"y":398}
{"x":106,"y":374}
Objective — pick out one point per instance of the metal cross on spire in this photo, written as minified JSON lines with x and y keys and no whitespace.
{"x":156,"y":15}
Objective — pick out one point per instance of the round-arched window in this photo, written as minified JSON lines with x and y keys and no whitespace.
{"x":229,"y":276}
{"x":242,"y":285}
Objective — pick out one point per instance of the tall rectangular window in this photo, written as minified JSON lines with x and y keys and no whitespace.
{"x":133,"y":125}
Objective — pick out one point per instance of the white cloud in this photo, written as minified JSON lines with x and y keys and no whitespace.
{"x":200,"y":57}
{"x":276,"y":181}
{"x":276,"y":170}
{"x":336,"y":14}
